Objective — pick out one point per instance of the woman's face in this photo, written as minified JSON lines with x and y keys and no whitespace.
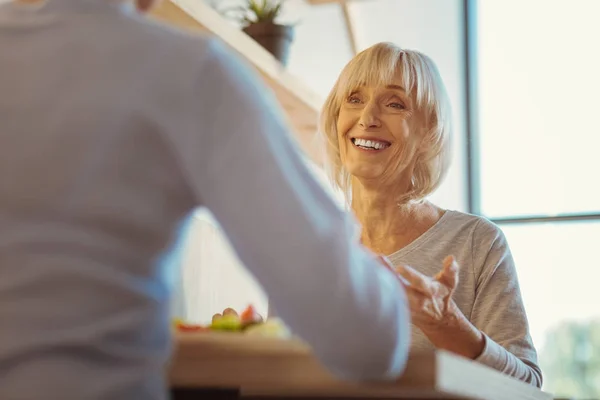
{"x":374,"y":126}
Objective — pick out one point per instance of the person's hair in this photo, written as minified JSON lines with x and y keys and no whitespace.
{"x":378,"y":65}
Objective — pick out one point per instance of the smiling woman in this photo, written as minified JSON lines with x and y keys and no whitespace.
{"x":381,"y":87}
{"x":387,"y":126}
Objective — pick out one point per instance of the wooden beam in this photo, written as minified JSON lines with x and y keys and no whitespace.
{"x":300,"y":104}
{"x":316,"y":2}
{"x":349,"y":27}
{"x":347,"y":19}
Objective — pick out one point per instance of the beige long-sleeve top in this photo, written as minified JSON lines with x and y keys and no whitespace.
{"x":488,"y":293}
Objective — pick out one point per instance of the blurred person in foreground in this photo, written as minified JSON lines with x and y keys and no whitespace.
{"x":114,"y":129}
{"x":387,"y":128}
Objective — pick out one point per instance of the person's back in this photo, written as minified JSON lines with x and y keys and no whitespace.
{"x":89,"y":192}
{"x":113,"y":129}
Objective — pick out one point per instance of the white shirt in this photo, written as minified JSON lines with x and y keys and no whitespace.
{"x":113,"y":129}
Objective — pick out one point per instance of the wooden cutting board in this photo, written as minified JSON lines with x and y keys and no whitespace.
{"x":264,"y":366}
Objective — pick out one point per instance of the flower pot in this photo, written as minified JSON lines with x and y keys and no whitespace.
{"x":275,"y":38}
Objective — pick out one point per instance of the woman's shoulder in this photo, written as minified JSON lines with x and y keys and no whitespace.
{"x":477,"y":222}
{"x":482,"y":234}
{"x":479,"y":226}
{"x":488,"y":243}
{"x":485,"y":244}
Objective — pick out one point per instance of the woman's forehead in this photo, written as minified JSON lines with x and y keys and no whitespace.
{"x":395,"y":85}
{"x":395,"y":81}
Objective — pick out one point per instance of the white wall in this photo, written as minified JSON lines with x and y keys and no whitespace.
{"x":212,"y":276}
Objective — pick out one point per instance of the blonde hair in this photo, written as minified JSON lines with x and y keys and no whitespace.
{"x":378,"y":65}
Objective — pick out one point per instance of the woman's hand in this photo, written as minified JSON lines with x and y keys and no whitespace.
{"x":430,"y":298}
{"x":434,"y":312}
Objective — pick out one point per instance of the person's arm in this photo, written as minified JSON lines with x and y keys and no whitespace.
{"x":289,"y":233}
{"x":498,"y":310}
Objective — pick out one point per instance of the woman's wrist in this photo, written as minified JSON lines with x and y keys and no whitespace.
{"x":457,"y":335}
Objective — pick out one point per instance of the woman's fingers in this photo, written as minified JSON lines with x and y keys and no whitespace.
{"x":422,"y":307}
{"x":415,"y":279}
{"x":448,"y":276}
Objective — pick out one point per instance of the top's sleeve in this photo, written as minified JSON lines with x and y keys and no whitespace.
{"x":498,"y":310}
{"x":301,"y":247}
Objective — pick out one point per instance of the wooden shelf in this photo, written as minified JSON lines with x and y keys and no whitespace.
{"x":300,"y":104}
{"x":286,"y":368}
{"x":317,"y":2}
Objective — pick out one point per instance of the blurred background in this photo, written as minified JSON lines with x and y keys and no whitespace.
{"x":523,"y":80}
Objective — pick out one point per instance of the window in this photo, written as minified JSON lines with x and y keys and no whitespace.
{"x":538,"y":100}
{"x":534,"y":87}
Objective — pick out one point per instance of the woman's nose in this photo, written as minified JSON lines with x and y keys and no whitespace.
{"x":369,"y":118}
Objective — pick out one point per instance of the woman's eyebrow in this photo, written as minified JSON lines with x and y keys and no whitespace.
{"x":397,"y":87}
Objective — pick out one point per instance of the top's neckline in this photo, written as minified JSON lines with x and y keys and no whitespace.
{"x":425,"y":236}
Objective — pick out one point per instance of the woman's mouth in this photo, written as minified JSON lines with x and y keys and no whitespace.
{"x":370,"y":144}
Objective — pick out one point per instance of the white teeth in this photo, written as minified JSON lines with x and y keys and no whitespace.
{"x":372,"y":144}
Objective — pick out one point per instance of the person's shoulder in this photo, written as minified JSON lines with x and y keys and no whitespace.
{"x":175,"y":62}
{"x":4,"y":8}
{"x":175,"y":46}
{"x":489,"y":247}
{"x":481,"y":228}
{"x":464,"y":220}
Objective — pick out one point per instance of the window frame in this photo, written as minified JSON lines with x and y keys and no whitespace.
{"x":473,"y":162}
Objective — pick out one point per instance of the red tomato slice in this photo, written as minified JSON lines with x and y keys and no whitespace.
{"x":250,"y":315}
{"x":191,"y":328}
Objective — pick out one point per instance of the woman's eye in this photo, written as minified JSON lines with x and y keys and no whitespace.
{"x":353,"y":100}
{"x":399,"y":106}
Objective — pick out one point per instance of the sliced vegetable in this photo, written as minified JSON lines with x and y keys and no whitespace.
{"x":227,"y":323}
{"x":230,"y":311}
{"x":192,"y":328}
{"x":249,"y":322}
{"x":182,"y":326}
{"x":249,"y":316}
{"x":273,"y":327}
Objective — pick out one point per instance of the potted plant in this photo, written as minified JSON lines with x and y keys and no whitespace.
{"x":258,"y":20}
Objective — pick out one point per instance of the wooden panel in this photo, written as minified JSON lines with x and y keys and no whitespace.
{"x":317,"y":2}
{"x":300,"y":104}
{"x":260,"y":366}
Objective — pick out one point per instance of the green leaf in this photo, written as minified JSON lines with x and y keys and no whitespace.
{"x":257,"y":11}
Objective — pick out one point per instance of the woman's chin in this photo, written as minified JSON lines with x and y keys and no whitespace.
{"x":365,"y":173}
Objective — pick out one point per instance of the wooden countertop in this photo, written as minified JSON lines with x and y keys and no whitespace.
{"x":261,"y":366}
